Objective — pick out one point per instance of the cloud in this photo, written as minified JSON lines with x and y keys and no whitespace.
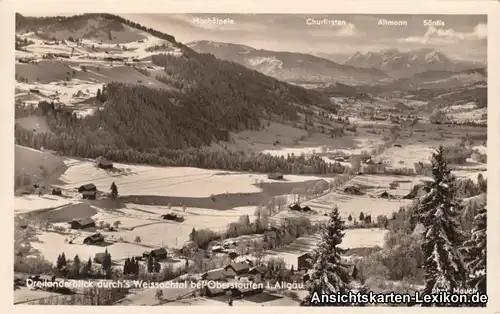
{"x":435,"y":35}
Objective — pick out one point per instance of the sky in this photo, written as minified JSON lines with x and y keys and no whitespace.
{"x":461,"y":36}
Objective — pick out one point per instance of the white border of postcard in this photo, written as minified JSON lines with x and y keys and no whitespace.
{"x":54,"y":7}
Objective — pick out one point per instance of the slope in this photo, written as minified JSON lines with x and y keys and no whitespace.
{"x":33,"y":166}
{"x":199,"y":99}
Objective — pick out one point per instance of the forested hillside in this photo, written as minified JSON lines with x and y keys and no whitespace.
{"x":125,"y":132}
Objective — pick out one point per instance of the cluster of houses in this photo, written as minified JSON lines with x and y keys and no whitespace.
{"x":234,"y":271}
{"x":297,"y":207}
{"x":227,"y":248}
{"x":159,"y":254}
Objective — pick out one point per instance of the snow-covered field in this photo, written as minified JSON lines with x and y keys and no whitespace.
{"x":167,"y":181}
{"x":376,"y":184}
{"x":477,"y":115}
{"x":52,"y":244}
{"x":354,"y":205}
{"x":146,"y":223}
{"x":66,"y":92}
{"x":407,"y":156}
{"x":27,"y":203}
{"x":362,"y":144}
{"x":49,"y":76}
{"x":24,"y":294}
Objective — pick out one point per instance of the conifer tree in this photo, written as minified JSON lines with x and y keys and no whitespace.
{"x":329,"y":274}
{"x":61,"y":261}
{"x":150,"y":264}
{"x":438,"y":212}
{"x":126,"y":266}
{"x":114,"y":190}
{"x":107,"y":262}
{"x":192,"y":235}
{"x":77,"y":264}
{"x":474,"y":252}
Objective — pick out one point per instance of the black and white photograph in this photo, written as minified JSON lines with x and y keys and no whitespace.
{"x":250,"y":159}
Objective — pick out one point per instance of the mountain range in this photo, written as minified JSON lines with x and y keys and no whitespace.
{"x":290,"y":66}
{"x":385,"y":67}
{"x":400,"y":64}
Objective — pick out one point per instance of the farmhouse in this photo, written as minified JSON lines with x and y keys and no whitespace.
{"x":87,"y":187}
{"x":219,"y":274}
{"x":385,"y":195}
{"x":257,"y":273}
{"x":96,"y":238}
{"x":82,"y":223}
{"x":105,"y":164}
{"x":303,"y":261}
{"x":297,"y":207}
{"x":89,"y":195}
{"x":306,"y":209}
{"x":99,"y":258}
{"x":275,"y":175}
{"x":173,"y":217}
{"x":89,"y":191}
{"x":353,"y":190}
{"x":238,"y":268}
{"x":159,"y":254}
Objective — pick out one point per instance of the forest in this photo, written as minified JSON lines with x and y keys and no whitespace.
{"x":142,"y":125}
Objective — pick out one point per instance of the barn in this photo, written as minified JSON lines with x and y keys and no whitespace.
{"x":87,"y":187}
{"x":238,"y":268}
{"x":219,"y":274}
{"x":173,"y":217}
{"x":105,"y":164}
{"x":89,"y":195}
{"x":159,"y":254}
{"x":94,"y":239}
{"x":276,"y":176}
{"x":82,"y":223}
{"x":353,"y":190}
{"x":99,"y":258}
{"x":303,"y":261}
{"x":306,"y":209}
